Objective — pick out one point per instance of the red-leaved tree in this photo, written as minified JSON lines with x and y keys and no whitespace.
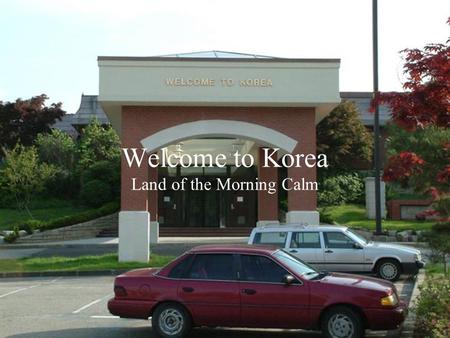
{"x":423,"y":109}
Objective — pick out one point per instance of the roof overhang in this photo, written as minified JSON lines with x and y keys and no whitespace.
{"x":160,"y":81}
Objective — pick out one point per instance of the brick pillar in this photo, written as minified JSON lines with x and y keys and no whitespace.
{"x":153,"y":206}
{"x":302,"y":204}
{"x":134,"y":218}
{"x":267,"y":203}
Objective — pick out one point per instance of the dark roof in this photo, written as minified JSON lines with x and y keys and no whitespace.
{"x":362,"y":100}
{"x":213,"y":55}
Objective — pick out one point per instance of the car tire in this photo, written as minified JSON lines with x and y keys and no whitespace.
{"x":389,"y":269}
{"x":171,"y":320}
{"x":342,"y":322}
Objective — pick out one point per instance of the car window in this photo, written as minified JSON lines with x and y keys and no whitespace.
{"x":277,"y":238}
{"x":261,"y":269}
{"x":337,"y":240}
{"x":307,"y":240}
{"x":212,"y":267}
{"x":179,"y":270}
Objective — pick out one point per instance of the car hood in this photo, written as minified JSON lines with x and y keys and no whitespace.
{"x":362,"y":282}
{"x":140,"y":272}
{"x":403,"y":248}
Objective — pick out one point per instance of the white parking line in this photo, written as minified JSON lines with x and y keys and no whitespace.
{"x":18,"y":290}
{"x":91,"y":303}
{"x":105,"y":317}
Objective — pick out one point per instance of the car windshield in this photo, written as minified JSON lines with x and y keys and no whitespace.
{"x":296,"y":265}
{"x":356,"y":237}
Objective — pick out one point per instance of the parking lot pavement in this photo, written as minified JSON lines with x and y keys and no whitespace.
{"x":76,"y":307}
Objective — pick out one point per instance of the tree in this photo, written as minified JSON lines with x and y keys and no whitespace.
{"x":421,"y":157}
{"x":56,"y":148}
{"x":22,"y":120}
{"x":23,"y":175}
{"x":343,"y":138}
{"x":420,"y":154}
{"x":98,"y":143}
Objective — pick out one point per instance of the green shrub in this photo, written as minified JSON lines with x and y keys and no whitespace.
{"x":28,"y":226}
{"x":340,"y":189}
{"x":11,"y":238}
{"x":325,"y":216}
{"x":95,"y":193}
{"x":432,"y":308}
{"x":62,"y":184}
{"x":85,"y":216}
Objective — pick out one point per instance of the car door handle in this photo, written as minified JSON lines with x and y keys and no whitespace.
{"x":249,"y":291}
{"x":293,"y":251}
{"x":329,"y":251}
{"x":188,"y":289}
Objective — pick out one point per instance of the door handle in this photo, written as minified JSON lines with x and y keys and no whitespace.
{"x":249,"y":291}
{"x":293,"y":251}
{"x":188,"y":289}
{"x":328,"y":251}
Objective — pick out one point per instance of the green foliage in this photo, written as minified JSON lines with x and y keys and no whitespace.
{"x":11,"y":237}
{"x":97,"y":143}
{"x":81,"y":263}
{"x":340,"y":189}
{"x":56,"y":148}
{"x":431,"y":145}
{"x":23,"y":176}
{"x":325,"y":216}
{"x":95,"y":193}
{"x":354,"y":216}
{"x":432,"y":308}
{"x":63,"y":184}
{"x":106,"y":209}
{"x":343,"y":138}
{"x":439,"y":241}
{"x":105,"y":171}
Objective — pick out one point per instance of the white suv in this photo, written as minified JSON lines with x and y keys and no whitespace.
{"x":337,"y":248}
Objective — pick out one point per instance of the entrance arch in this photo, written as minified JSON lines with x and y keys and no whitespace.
{"x":264,"y":136}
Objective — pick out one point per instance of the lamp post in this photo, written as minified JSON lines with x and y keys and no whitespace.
{"x":376,"y":124}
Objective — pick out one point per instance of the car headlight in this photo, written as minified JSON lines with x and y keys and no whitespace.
{"x":418,"y":257}
{"x":390,"y":300}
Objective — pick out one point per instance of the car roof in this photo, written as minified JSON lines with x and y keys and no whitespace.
{"x":299,"y":227}
{"x":234,"y":248}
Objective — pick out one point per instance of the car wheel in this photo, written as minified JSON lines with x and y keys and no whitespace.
{"x":389,"y":269}
{"x":171,"y":320}
{"x":342,"y":322}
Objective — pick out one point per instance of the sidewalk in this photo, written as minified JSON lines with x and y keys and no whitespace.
{"x":97,"y":246}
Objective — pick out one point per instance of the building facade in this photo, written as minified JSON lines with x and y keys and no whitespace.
{"x":212,"y":103}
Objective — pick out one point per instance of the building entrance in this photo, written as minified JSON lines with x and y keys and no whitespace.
{"x":208,"y":208}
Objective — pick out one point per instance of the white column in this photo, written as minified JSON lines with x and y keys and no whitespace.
{"x":134,"y":236}
{"x":303,"y":217}
{"x":370,"y":198}
{"x":154,"y":232}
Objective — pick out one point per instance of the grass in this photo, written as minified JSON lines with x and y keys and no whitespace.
{"x":82,"y":263}
{"x":435,"y":268}
{"x":353,"y":215}
{"x":41,"y":210}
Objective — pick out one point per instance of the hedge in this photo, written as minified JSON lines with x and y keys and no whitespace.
{"x":60,"y":222}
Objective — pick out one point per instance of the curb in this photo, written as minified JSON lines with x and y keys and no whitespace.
{"x":43,"y":245}
{"x":409,"y":324}
{"x":63,"y":273}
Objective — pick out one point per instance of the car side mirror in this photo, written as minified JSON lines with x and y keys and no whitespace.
{"x":357,"y":246}
{"x":288,"y":279}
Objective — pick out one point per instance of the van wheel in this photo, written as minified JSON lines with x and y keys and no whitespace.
{"x":342,"y":322}
{"x":389,"y":269}
{"x":171,"y":320}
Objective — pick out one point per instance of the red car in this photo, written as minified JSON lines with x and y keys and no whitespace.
{"x":254,"y":286}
